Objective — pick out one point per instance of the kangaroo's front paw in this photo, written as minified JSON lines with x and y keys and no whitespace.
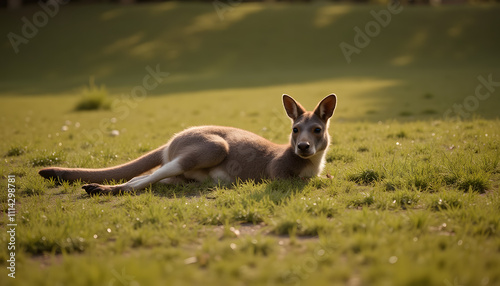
{"x":96,"y":189}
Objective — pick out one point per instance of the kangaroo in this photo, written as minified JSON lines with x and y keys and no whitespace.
{"x":221,"y":154}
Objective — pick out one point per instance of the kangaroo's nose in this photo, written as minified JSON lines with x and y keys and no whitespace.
{"x":303,"y":146}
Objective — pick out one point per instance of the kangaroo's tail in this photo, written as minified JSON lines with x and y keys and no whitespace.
{"x":125,"y":171}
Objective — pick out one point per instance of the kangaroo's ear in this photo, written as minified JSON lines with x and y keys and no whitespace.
{"x":326,"y":107}
{"x":292,"y":107}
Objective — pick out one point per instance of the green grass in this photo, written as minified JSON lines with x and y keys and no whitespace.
{"x":406,"y":197}
{"x":382,"y":213}
{"x":93,"y":98}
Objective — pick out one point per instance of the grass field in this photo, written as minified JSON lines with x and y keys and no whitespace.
{"x":409,"y":195}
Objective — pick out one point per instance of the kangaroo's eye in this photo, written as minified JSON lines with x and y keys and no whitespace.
{"x":295,"y":130}
{"x":317,"y":130}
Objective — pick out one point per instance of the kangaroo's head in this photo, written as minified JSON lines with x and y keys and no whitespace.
{"x":310,"y":128}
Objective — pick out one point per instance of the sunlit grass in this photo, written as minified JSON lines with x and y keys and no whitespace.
{"x":399,"y":196}
{"x":94,"y":97}
{"x":402,"y":196}
{"x":406,"y":197}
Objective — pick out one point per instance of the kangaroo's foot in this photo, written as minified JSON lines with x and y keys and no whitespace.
{"x":96,"y":189}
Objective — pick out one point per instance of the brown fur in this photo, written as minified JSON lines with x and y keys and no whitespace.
{"x":221,"y":153}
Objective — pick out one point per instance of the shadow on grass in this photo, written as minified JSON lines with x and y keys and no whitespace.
{"x":275,"y":191}
{"x":300,"y":45}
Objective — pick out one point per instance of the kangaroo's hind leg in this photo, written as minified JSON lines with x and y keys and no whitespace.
{"x":201,"y":152}
{"x":170,"y":169}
